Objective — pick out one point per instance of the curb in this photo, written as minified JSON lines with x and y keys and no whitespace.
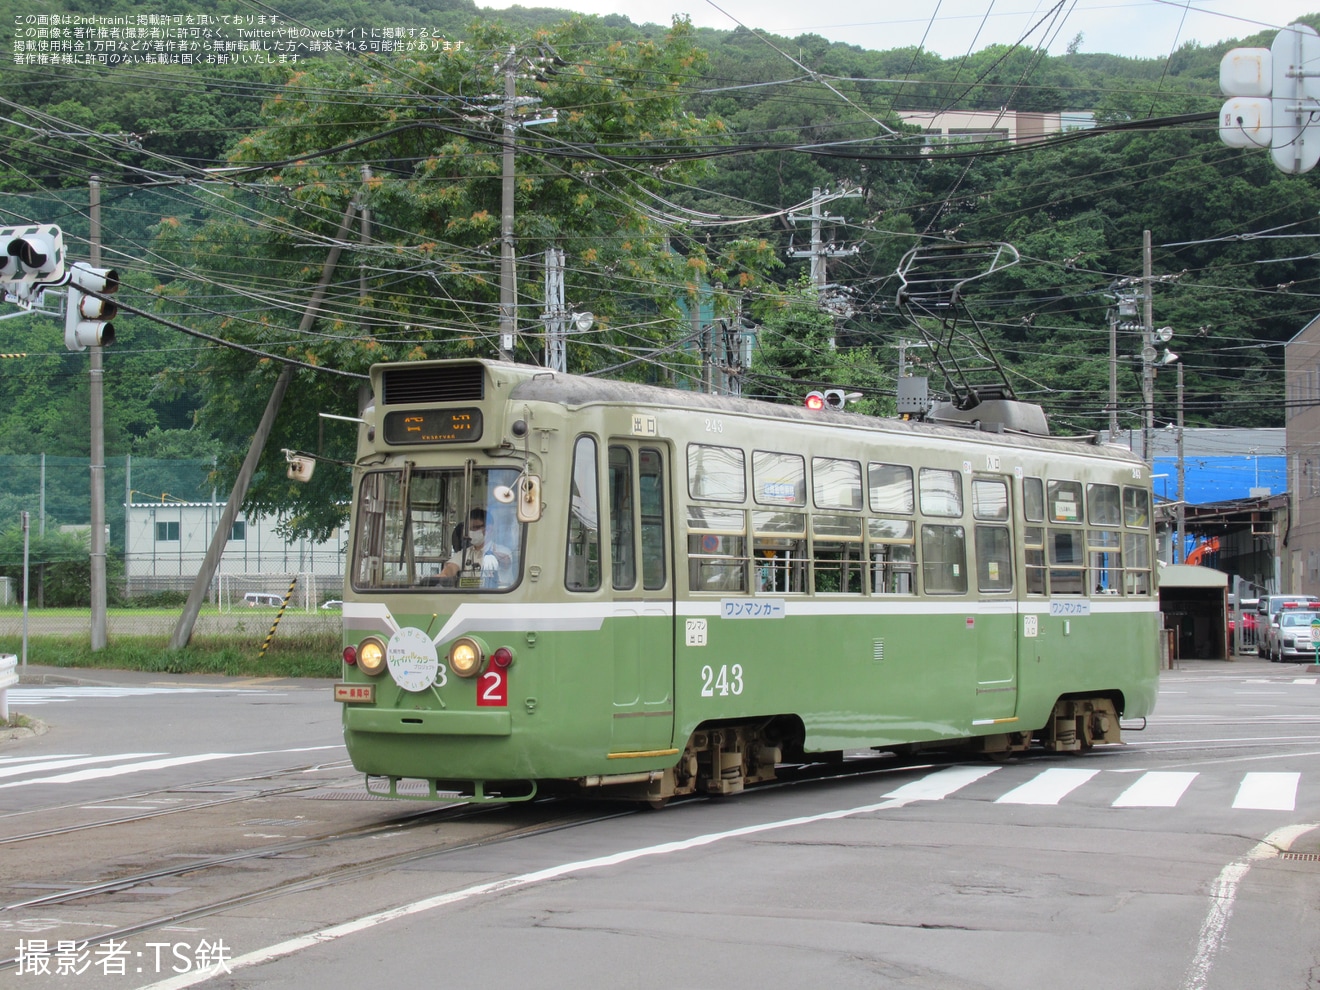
{"x":36,"y":728}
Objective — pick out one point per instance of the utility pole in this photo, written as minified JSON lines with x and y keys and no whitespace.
{"x":97,"y":458}
{"x":188,"y":618}
{"x":508,"y":288}
{"x":364,"y":239}
{"x":819,"y":252}
{"x":1113,"y":375}
{"x":1182,"y":492}
{"x":1147,"y":350}
{"x":556,"y":356}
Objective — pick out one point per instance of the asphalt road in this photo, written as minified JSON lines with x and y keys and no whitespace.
{"x":1185,"y":860}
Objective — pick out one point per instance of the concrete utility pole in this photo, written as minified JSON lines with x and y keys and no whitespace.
{"x":819,"y":252}
{"x":556,"y":348}
{"x":97,"y":399}
{"x":1182,"y":478}
{"x":1147,"y":349}
{"x":508,"y":288}
{"x":183,"y":630}
{"x":1113,"y":375}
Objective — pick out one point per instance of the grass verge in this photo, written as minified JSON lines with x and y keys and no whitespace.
{"x":313,"y":655}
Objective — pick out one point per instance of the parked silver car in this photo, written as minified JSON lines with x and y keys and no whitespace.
{"x":1289,"y":635}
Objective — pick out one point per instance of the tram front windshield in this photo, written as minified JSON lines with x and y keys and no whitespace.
{"x":438,"y":529}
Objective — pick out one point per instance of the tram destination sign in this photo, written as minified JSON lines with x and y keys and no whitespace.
{"x":433,"y":426}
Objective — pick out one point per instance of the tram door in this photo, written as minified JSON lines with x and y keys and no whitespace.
{"x":997,"y":623}
{"x":641,"y":575}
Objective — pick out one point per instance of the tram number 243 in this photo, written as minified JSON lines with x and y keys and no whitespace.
{"x":725,"y":681}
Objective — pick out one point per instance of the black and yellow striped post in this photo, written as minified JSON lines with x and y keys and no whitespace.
{"x":278,"y":615}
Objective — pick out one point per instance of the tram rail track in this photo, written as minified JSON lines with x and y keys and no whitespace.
{"x":326,"y":874}
{"x":148,"y":815}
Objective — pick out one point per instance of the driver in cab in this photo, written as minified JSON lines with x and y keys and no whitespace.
{"x":478,"y":564}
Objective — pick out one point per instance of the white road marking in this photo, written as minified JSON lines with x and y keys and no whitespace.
{"x":1222,"y":895}
{"x":65,"y":762}
{"x":1049,"y":787}
{"x":939,"y":785}
{"x":497,"y":886}
{"x":20,"y":697}
{"x":1157,"y":789}
{"x":1268,"y":792}
{"x":78,"y":776}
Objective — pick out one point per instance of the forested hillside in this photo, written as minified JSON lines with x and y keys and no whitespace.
{"x":670,"y":176}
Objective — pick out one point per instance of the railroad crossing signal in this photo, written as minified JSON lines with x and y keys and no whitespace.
{"x":87,"y":318}
{"x":31,"y":256}
{"x":1275,"y":98}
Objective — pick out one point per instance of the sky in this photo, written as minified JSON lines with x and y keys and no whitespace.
{"x":951,"y":28}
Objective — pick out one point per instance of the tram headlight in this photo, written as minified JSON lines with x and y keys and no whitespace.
{"x":371,"y":656}
{"x":465,"y":657}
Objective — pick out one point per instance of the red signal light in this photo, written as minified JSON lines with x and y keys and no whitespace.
{"x":815,"y":400}
{"x":350,"y":655}
{"x":502,"y":657}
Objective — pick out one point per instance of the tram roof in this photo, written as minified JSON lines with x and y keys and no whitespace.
{"x":576,"y":391}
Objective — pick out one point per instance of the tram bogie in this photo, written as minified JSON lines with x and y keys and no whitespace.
{"x":559,"y":583}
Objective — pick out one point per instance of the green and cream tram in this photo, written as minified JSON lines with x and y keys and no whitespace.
{"x":641,"y":592}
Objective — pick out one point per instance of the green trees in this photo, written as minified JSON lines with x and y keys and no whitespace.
{"x":418,"y":145}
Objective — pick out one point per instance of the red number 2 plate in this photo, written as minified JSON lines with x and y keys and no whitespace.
{"x":493,"y":689}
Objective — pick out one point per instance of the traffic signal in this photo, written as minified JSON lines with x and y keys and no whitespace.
{"x":87,"y":318}
{"x":1274,"y":93}
{"x":831,"y":398}
{"x":31,"y":253}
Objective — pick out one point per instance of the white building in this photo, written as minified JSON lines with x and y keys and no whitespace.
{"x":1014,"y":126}
{"x":165,"y":543}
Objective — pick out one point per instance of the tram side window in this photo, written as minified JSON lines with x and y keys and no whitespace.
{"x":716,"y":473}
{"x":943,"y":559}
{"x":1033,"y":546}
{"x":582,"y":561}
{"x":836,"y":483}
{"x":1065,"y":501}
{"x":990,"y":500}
{"x":892,"y":556}
{"x":778,"y":479}
{"x":1106,"y":558}
{"x":1033,"y":500}
{"x":994,"y":559}
{"x":890,"y":487}
{"x":1102,"y":505}
{"x":941,"y":493}
{"x":837,"y":563}
{"x":1136,"y":563}
{"x":779,"y":551}
{"x":651,"y":479}
{"x":1067,"y":562}
{"x":623,"y":562}
{"x":1136,"y":507}
{"x":717,"y":557}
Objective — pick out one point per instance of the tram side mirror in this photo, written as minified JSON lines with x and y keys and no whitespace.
{"x":529,"y":498}
{"x":300,"y":468}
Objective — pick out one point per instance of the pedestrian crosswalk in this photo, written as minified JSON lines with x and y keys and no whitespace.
{"x":1059,"y":786}
{"x":1022,"y":785}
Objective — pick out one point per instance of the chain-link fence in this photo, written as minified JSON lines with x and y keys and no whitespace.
{"x":161,"y":516}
